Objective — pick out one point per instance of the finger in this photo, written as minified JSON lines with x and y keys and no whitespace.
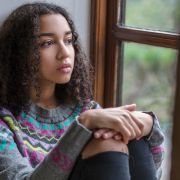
{"x":127,"y":125}
{"x":118,"y":137}
{"x":125,"y":140}
{"x":131,"y":126}
{"x":109,"y":134}
{"x":129,"y":107}
{"x":137,"y":131}
{"x":124,"y":128}
{"x":138,"y":121}
{"x":128,"y":121}
{"x":98,"y":133}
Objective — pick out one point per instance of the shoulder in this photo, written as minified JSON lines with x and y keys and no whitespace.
{"x":5,"y":112}
{"x":7,"y":120}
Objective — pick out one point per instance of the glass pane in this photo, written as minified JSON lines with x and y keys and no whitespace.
{"x":149,"y":77}
{"x":153,"y":14}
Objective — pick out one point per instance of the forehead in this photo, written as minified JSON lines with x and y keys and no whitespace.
{"x":53,"y":23}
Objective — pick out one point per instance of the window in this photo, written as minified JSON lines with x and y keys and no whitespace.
{"x":152,"y":14}
{"x":149,"y":80}
{"x":135,"y":60}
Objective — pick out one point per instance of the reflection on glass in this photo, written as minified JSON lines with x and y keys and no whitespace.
{"x":153,"y":14}
{"x":149,"y":78}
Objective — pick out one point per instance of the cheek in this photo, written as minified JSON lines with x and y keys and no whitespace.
{"x":45,"y":61}
{"x":44,"y":55}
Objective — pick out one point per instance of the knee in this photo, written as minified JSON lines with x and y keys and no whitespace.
{"x":96,"y":146}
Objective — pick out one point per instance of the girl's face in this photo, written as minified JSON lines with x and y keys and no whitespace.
{"x":56,"y":50}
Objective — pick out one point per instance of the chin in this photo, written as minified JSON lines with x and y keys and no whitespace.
{"x":63,"y":81}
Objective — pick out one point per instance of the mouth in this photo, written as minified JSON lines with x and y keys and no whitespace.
{"x":65,"y":68}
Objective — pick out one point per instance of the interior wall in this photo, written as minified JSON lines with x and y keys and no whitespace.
{"x":79,"y":10}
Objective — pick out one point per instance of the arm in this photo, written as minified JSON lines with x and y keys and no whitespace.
{"x":57,"y":164}
{"x":155,"y":139}
{"x":117,"y":119}
{"x":151,"y":132}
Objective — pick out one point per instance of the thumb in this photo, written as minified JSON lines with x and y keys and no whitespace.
{"x":129,"y":107}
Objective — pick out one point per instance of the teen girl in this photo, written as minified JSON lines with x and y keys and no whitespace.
{"x":47,"y":116}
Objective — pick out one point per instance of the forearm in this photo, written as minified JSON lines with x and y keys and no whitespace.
{"x":62,"y":158}
{"x":56,"y":165}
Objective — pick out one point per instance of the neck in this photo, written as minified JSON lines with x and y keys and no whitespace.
{"x":47,"y":97}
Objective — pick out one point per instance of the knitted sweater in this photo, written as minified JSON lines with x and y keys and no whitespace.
{"x":44,"y":144}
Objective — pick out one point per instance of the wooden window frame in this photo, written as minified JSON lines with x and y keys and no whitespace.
{"x":97,"y":46}
{"x":175,"y":165}
{"x":106,"y":40}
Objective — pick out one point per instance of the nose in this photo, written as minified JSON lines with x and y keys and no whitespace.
{"x":63,"y":51}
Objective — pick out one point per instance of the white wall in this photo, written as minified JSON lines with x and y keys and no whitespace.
{"x":79,"y":10}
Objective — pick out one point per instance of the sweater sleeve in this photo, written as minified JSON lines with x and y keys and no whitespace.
{"x":155,"y":140}
{"x":56,"y":165}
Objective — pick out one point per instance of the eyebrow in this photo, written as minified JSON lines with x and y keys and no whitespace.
{"x":52,"y":34}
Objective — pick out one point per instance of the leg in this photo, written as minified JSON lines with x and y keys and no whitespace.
{"x":103,"y":160}
{"x":141,"y":161}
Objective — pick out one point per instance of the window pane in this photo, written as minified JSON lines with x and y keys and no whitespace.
{"x":153,"y":14}
{"x":149,"y":76}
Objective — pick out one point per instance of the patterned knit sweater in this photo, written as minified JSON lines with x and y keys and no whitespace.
{"x":44,"y":144}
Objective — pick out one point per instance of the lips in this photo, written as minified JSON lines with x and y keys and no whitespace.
{"x":65,"y":68}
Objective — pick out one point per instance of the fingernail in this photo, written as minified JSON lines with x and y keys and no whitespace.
{"x":105,"y":136}
{"x":97,"y":135}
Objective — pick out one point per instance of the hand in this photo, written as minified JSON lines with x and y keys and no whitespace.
{"x":118,"y":119}
{"x":146,"y":119}
{"x":105,"y":133}
{"x":129,"y":107}
{"x":108,"y":133}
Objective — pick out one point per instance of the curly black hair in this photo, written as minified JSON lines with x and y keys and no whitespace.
{"x":19,"y":59}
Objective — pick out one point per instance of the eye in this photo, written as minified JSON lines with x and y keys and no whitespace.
{"x":46,"y":44}
{"x":68,"y":41}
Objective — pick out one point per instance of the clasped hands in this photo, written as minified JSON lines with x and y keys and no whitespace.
{"x":120,"y":123}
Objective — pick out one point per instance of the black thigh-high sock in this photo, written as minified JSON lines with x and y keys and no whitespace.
{"x":103,"y":166}
{"x":141,"y":161}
